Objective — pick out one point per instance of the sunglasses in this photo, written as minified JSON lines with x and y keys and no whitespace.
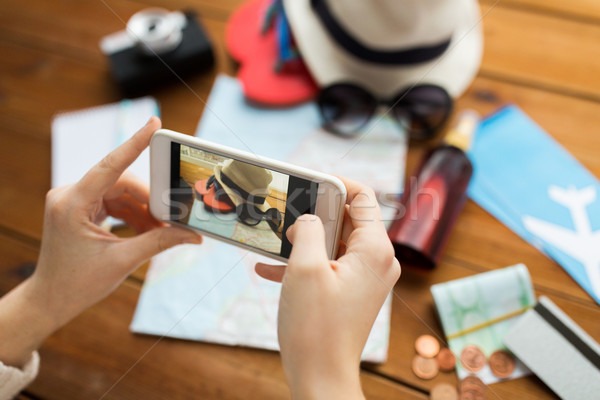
{"x":422,"y":109}
{"x":249,"y":214}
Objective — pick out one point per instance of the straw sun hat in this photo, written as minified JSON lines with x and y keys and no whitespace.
{"x":386,"y":45}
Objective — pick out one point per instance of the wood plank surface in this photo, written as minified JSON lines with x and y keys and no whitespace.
{"x":538,"y":54}
{"x":542,"y":50}
{"x":23,"y":396}
{"x":582,"y":10}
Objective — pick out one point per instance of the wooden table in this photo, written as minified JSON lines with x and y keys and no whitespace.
{"x":543,"y":55}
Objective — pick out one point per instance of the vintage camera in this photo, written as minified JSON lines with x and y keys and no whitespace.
{"x":157,"y":47}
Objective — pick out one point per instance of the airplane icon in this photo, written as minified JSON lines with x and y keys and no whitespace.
{"x":581,"y":244}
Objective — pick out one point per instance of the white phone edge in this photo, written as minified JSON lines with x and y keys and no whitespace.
{"x":160,"y":180}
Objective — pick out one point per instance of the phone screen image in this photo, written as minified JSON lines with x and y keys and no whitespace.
{"x":237,"y":200}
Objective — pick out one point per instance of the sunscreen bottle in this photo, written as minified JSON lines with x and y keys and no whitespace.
{"x":433,"y":197}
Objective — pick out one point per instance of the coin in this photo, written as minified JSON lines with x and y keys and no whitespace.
{"x":427,"y":346}
{"x":470,"y":382}
{"x":443,"y":391}
{"x":472,"y":358}
{"x":446,"y":360}
{"x":424,"y":368}
{"x":502,"y":364}
{"x":472,"y":388}
{"x":472,"y":395}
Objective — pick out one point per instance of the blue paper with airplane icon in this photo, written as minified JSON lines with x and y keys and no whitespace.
{"x":533,"y":185}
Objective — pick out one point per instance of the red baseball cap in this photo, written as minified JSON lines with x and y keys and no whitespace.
{"x":257,"y":54}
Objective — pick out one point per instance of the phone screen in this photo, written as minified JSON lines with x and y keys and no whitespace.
{"x":237,"y":200}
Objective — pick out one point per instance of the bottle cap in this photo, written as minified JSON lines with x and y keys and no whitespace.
{"x":461,"y":134}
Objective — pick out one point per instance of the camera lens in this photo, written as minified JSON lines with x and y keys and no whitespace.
{"x":153,"y":24}
{"x":156,"y":31}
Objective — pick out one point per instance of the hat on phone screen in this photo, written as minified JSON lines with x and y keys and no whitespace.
{"x":385,"y":45}
{"x":244,"y":183}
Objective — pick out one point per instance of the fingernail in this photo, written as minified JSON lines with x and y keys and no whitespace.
{"x":196,"y":239}
{"x":289,"y":230}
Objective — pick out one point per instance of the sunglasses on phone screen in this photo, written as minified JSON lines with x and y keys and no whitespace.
{"x":251,"y":215}
{"x":421,"y":109}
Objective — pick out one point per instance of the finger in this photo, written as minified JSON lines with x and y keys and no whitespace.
{"x":129,"y":219}
{"x":133,"y":213}
{"x":347,"y":227}
{"x":395,"y":271}
{"x":308,"y":242}
{"x":352,"y":188}
{"x":105,"y":174}
{"x":364,"y":209}
{"x":342,"y":247}
{"x":270,"y":272}
{"x":140,"y":210}
{"x":132,"y":252}
{"x":130,"y":184}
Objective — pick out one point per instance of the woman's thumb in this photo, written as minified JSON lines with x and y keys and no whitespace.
{"x":308,"y":241}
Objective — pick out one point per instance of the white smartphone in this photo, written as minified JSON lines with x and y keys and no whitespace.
{"x":239,"y":197}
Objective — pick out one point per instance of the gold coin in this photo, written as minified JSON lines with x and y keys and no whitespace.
{"x":443,"y":391}
{"x":472,"y":358}
{"x":502,"y":364}
{"x":427,"y":346}
{"x":446,"y":360}
{"x":424,"y":368}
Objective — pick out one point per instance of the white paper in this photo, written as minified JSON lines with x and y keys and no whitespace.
{"x":80,"y":139}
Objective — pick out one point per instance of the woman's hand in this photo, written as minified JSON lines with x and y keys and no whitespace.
{"x":80,"y":263}
{"x":327,"y":308}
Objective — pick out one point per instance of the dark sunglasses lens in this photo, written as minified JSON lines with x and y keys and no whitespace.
{"x":250,"y":221}
{"x":248,"y":216}
{"x":423,"y":110}
{"x":345,"y":108}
